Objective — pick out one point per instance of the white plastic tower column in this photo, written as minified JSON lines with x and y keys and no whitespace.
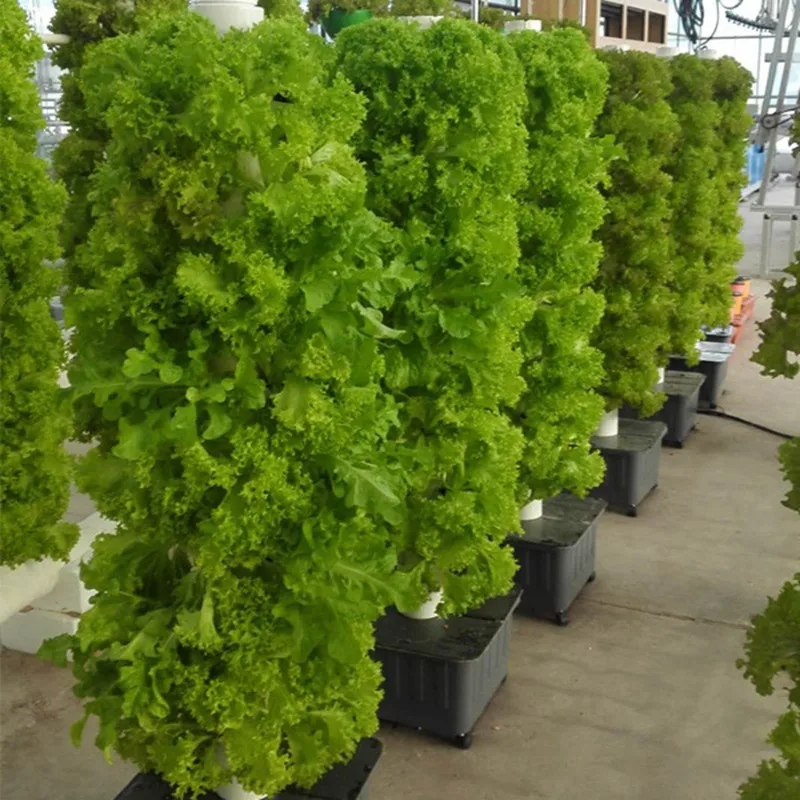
{"x":227,"y":14}
{"x":609,"y":424}
{"x":532,"y":510}
{"x":235,"y":791}
{"x":427,"y":610}
{"x":516,"y":25}
{"x":424,"y":21}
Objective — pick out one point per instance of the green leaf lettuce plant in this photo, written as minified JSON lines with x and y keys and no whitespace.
{"x":444,"y":149}
{"x":34,"y":467}
{"x":772,"y":650}
{"x":732,"y":86}
{"x":229,"y":354}
{"x":416,"y":8}
{"x":693,"y":168}
{"x":636,"y":267}
{"x":86,"y":23}
{"x":559,"y":208}
{"x":779,"y":356}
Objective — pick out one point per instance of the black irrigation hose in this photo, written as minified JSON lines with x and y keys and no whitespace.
{"x":714,"y":412}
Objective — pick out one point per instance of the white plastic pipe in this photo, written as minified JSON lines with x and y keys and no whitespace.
{"x":609,"y":424}
{"x":516,"y":25}
{"x":426,"y":610}
{"x":532,"y":510}
{"x":423,"y":21}
{"x":21,"y":586}
{"x":235,"y":791}
{"x":227,"y":14}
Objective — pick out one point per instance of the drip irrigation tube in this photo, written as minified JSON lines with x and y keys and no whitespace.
{"x":715,"y":412}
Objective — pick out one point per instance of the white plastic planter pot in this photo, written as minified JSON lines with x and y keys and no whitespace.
{"x":532,"y":510}
{"x":235,"y":791}
{"x":609,"y":424}
{"x":427,"y":610}
{"x":227,"y":14}
{"x":423,"y":21}
{"x":516,"y":25}
{"x":23,"y":585}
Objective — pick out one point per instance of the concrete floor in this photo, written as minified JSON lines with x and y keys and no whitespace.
{"x":637,"y":698}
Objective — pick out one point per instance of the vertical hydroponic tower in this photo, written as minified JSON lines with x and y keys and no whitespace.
{"x":444,"y":149}
{"x":559,"y":209}
{"x":34,"y":467}
{"x":732,"y":85}
{"x":636,"y":267}
{"x":693,"y":168}
{"x":227,"y":367}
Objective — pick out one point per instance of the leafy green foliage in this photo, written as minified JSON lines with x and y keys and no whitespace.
{"x":34,"y":468}
{"x":693,"y":167}
{"x":779,"y":350}
{"x":231,"y":338}
{"x":319,"y":8}
{"x":289,"y":9}
{"x":731,"y":89}
{"x":559,"y":209}
{"x":773,"y":641}
{"x":789,"y":455}
{"x":779,"y":355}
{"x":88,"y":22}
{"x":494,"y":18}
{"x":773,"y":649}
{"x":416,"y":8}
{"x":636,"y":265}
{"x":443,"y":146}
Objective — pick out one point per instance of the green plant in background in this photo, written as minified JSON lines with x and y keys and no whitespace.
{"x":417,"y":8}
{"x":320,"y":10}
{"x":289,"y":9}
{"x":693,"y":168}
{"x":86,"y":23}
{"x":559,"y":209}
{"x":493,"y":17}
{"x":554,"y":24}
{"x":731,"y":89}
{"x":773,"y":641}
{"x":779,"y":354}
{"x":772,"y":650}
{"x":444,"y":150}
{"x":636,"y":267}
{"x":34,"y":468}
{"x":228,"y":358}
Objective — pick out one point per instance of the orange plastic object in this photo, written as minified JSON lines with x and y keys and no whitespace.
{"x":737,"y":302}
{"x":748,"y":306}
{"x":742,"y":284}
